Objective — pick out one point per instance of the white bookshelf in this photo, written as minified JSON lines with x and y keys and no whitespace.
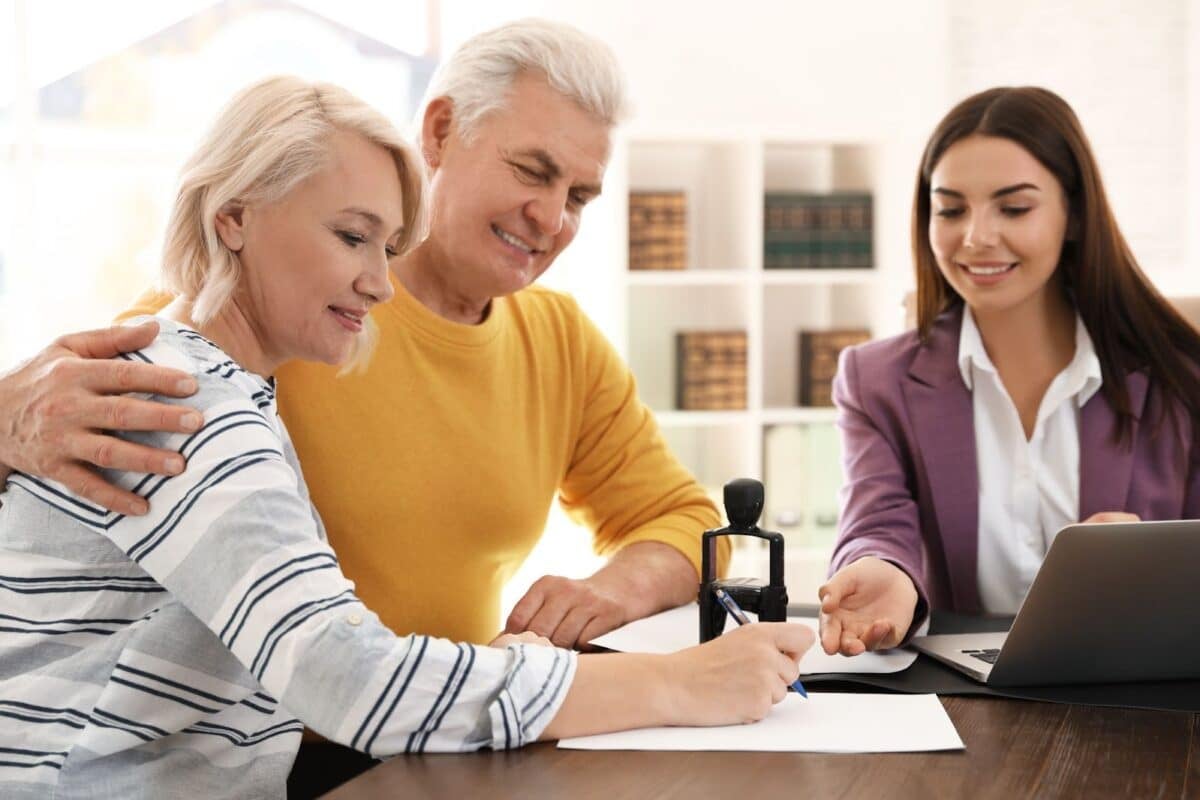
{"x":725,"y":287}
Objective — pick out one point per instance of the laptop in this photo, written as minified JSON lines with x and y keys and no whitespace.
{"x":1112,"y":602}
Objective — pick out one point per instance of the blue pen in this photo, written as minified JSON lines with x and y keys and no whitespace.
{"x":740,"y":617}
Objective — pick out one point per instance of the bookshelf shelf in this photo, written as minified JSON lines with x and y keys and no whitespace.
{"x":700,"y":419}
{"x":726,"y":181}
{"x":799,"y":416}
{"x":688,"y":277}
{"x":817,"y":277}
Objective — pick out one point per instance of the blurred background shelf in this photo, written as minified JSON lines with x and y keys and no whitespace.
{"x":707,"y":277}
{"x":722,"y":190}
{"x":700,"y":419}
{"x":817,"y":277}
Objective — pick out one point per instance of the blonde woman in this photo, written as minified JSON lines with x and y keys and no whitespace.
{"x":170,"y":654}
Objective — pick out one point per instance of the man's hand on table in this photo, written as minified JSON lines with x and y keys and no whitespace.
{"x":642,"y":579}
{"x":567,"y":611}
{"x":56,"y":410}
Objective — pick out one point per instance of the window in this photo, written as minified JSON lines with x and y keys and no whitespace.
{"x":96,"y":118}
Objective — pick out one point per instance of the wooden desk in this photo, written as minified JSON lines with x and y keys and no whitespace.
{"x":1014,"y":749}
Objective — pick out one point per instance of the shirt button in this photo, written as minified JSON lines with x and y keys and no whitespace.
{"x":354,"y":619}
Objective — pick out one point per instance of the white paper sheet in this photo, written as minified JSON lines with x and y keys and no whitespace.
{"x":824,"y":723}
{"x":678,"y":628}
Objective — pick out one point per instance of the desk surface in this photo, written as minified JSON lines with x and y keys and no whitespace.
{"x":1014,"y":749}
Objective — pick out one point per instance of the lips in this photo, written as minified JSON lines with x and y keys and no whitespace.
{"x":514,"y":241}
{"x":984,"y":269}
{"x":987,"y":273}
{"x":350,"y":319}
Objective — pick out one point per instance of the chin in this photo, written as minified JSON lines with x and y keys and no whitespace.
{"x":992,"y":304}
{"x":514,"y":280}
{"x":333,"y":356}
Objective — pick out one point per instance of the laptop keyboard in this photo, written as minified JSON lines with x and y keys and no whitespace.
{"x":989,"y":655}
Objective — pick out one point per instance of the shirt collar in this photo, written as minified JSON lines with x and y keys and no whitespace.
{"x":1084,"y":369}
{"x":971,"y":351}
{"x":1082,"y":374}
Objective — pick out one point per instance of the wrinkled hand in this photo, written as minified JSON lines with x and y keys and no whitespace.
{"x":505,"y":639}
{"x":568,"y":612}
{"x":738,"y":676}
{"x":866,"y":605}
{"x":56,"y":407}
{"x":1112,"y":516}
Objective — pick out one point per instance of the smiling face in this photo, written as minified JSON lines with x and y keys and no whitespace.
{"x":997,"y":223}
{"x":508,"y":199}
{"x":316,"y":260}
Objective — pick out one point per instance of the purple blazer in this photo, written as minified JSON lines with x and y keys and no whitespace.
{"x":912,"y":488}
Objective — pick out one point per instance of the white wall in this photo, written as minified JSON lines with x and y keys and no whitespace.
{"x":834,"y":69}
{"x":1192,"y":206}
{"x":882,"y":71}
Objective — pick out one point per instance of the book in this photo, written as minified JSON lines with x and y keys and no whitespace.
{"x":657,"y":230}
{"x":710,"y":370}
{"x":817,"y":231}
{"x":819,"y":351}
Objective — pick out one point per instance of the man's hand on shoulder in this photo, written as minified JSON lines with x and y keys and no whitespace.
{"x":56,"y":407}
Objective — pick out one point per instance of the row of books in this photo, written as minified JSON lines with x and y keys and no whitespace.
{"x":710,"y":367}
{"x":813,"y":231}
{"x":800,"y":230}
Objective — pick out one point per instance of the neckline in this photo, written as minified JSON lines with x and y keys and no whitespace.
{"x":412,"y":312}
{"x":180,"y":328}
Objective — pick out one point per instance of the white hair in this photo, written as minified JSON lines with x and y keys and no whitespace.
{"x":478,"y":75}
{"x":271,"y":136}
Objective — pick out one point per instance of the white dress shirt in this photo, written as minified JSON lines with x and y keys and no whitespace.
{"x":1028,"y":489}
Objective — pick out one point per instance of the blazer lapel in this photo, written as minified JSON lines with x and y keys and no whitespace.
{"x":943,"y":421}
{"x":1106,"y":463}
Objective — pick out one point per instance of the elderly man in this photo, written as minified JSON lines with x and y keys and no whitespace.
{"x":435,"y":468}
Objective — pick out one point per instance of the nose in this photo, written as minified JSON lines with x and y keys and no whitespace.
{"x":373,"y":283}
{"x":548,"y":210}
{"x":981,"y":231}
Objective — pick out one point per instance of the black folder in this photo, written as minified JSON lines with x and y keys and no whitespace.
{"x":927,"y":676}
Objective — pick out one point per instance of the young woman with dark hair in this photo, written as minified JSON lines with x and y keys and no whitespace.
{"x":1047,"y":382}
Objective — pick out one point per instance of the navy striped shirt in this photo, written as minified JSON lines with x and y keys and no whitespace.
{"x":175,"y":654}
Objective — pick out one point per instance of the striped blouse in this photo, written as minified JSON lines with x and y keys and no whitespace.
{"x":170,"y":655}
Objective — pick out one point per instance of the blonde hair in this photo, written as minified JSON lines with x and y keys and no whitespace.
{"x":271,"y":136}
{"x":478,"y":76}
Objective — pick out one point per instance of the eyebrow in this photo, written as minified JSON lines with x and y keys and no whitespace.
{"x":1016,"y":187}
{"x":547,"y":163}
{"x":371,"y":217}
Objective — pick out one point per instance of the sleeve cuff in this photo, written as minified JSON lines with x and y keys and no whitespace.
{"x":537,"y":683}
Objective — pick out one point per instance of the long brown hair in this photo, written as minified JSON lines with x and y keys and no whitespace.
{"x":1132,"y":326}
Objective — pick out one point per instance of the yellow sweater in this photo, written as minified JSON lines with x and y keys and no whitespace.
{"x":435,"y":469}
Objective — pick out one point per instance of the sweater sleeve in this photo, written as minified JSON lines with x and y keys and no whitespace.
{"x":234,"y":541}
{"x":622,"y":481}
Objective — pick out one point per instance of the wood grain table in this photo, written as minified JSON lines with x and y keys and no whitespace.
{"x":1014,"y":749}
